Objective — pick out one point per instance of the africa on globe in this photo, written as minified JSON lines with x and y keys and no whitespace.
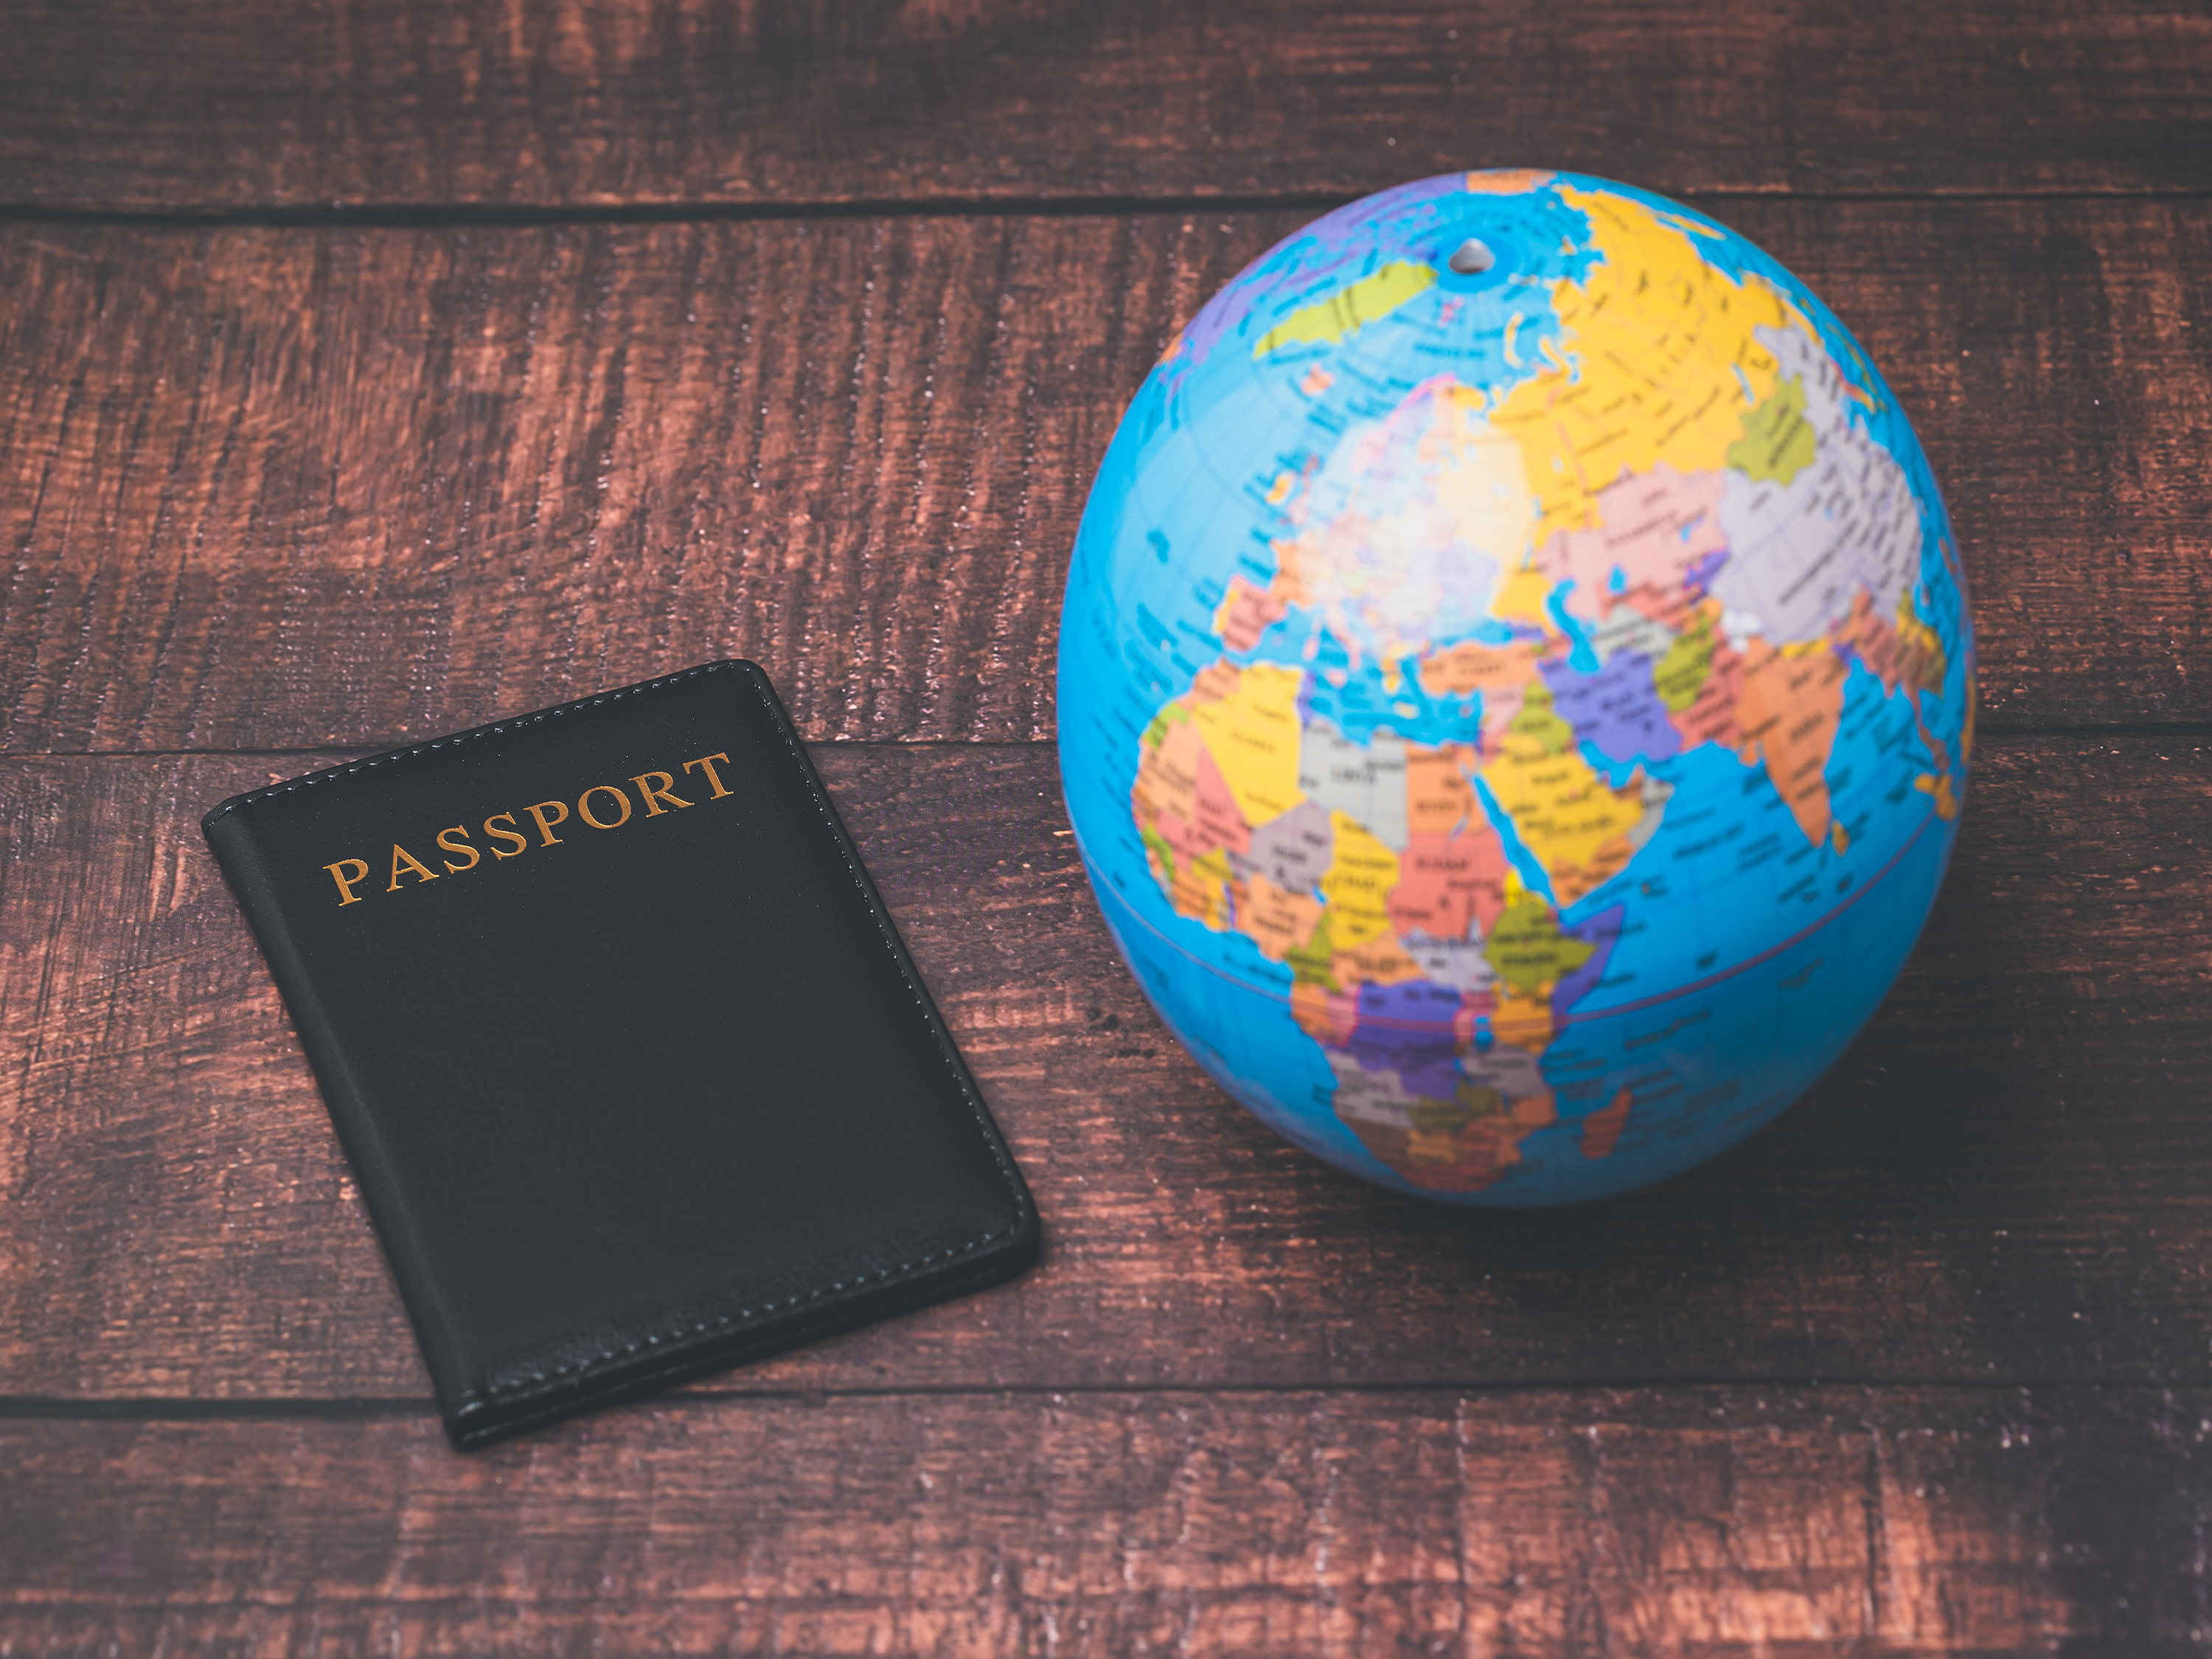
{"x":1516,"y":688}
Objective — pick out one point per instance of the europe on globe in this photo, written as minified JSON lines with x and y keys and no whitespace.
{"x":1516,"y":688}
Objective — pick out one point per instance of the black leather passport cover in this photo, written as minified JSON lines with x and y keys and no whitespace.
{"x":636,"y":1076}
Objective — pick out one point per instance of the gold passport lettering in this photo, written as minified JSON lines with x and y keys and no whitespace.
{"x":445,"y":841}
{"x":654,"y":794}
{"x":521,"y":842}
{"x":603,"y":806}
{"x":401,"y":857}
{"x":712,"y":776}
{"x":560,"y":810}
{"x":360,"y":868}
{"x":584,"y":805}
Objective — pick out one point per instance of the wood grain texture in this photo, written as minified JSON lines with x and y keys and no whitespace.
{"x":2002,"y":1181}
{"x":266,"y":488}
{"x":372,"y":371}
{"x":254,"y":103}
{"x":1707,"y":1523}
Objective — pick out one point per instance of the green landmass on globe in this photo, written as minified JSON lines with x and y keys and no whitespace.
{"x":1516,"y":717}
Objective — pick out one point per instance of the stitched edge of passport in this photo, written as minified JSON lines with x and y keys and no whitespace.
{"x":471,"y":1400}
{"x":469,"y":736}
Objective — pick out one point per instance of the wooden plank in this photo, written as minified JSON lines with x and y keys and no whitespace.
{"x":2004,"y":1179}
{"x":1710,"y":1524}
{"x":253,"y":103}
{"x":287,"y":488}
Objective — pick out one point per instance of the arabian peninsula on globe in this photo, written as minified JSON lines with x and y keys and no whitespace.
{"x":1516,"y":688}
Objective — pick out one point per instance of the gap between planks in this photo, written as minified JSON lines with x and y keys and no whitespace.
{"x":179,"y":1408}
{"x":522,"y":215}
{"x":1988,"y":732}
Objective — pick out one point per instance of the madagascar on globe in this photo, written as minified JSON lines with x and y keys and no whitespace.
{"x":1516,"y":688}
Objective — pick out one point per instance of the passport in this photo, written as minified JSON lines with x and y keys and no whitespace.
{"x":636,"y":1077}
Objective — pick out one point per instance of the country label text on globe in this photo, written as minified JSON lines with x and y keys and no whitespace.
{"x":1516,"y":688}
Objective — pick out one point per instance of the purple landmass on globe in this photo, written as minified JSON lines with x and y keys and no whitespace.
{"x":1699,"y":575}
{"x":1617,"y":710}
{"x":1407,"y":1028}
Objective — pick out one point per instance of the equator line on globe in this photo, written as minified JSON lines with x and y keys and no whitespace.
{"x":1516,"y":688}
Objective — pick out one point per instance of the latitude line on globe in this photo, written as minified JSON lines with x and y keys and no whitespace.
{"x":1099,"y":882}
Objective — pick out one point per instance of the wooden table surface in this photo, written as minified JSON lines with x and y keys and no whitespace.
{"x":371,"y":371}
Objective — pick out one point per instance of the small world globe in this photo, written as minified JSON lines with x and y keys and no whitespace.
{"x":1516,"y":688}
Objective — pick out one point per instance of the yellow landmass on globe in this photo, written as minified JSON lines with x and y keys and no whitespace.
{"x":1349,"y":309}
{"x":1359,"y":882}
{"x":1938,"y":785}
{"x":1252,"y":732}
{"x":1521,"y":596}
{"x":1574,"y":823}
{"x":1662,"y":363}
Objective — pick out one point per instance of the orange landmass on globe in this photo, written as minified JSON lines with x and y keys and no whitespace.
{"x":1789,"y":706}
{"x":1198,"y":889}
{"x":1508,"y":181}
{"x":1905,"y":651}
{"x":1457,"y":1146}
{"x":1938,"y":785}
{"x":1217,"y":680}
{"x":1439,"y":800}
{"x":1326,"y":1016}
{"x":1522,"y":1019}
{"x":1278,"y":921}
{"x":1500,"y":673}
{"x":1459,"y":669}
{"x":1670,"y":607}
{"x":1248,"y":612}
{"x":1181,"y":799}
{"x":1602,"y":1129}
{"x":1380,"y":961}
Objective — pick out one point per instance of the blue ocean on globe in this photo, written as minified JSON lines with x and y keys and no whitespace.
{"x":1516,"y":688}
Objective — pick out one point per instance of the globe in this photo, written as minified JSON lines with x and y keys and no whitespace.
{"x":1516,"y":688}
